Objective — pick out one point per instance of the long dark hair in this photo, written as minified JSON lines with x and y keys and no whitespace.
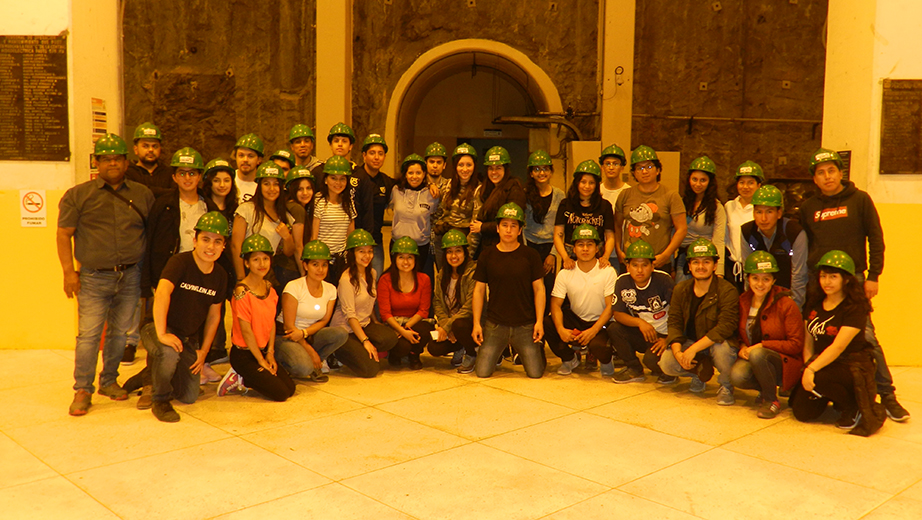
{"x":308,"y":208}
{"x":281,"y":207}
{"x":446,"y":279}
{"x":394,"y":273}
{"x":852,"y":288}
{"x":488,"y":185}
{"x":456,"y":188}
{"x":573,"y":193}
{"x":709,"y":201}
{"x":539,"y":205}
{"x":230,"y":201}
{"x":353,"y":269}
{"x":403,"y":184}
{"x":345,"y":196}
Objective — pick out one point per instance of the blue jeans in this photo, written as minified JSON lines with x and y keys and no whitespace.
{"x":882,"y":377}
{"x":297,"y":361}
{"x":722,"y":353}
{"x":497,"y":337}
{"x":377,"y":263}
{"x":105,"y":297}
{"x":170,"y":370}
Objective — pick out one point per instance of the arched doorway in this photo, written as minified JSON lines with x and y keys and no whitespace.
{"x":480,"y":79}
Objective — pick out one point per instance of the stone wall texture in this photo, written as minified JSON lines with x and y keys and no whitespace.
{"x":744,"y":51}
{"x":208,"y":71}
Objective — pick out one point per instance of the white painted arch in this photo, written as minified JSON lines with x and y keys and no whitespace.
{"x":443,"y":60}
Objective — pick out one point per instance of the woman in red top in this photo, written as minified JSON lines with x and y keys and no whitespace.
{"x":404,"y":296}
{"x":254,"y":303}
{"x":771,"y":335}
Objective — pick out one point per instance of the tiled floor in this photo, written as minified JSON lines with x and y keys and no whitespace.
{"x":436,"y":444}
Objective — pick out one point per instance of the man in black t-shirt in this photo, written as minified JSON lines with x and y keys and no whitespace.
{"x":515,"y":275}
{"x":189,"y":295}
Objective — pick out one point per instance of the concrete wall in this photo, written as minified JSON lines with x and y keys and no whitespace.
{"x":744,"y":52}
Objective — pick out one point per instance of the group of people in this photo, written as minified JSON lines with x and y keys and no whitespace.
{"x":773,"y":303}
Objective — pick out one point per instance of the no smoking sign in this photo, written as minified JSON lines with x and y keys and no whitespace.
{"x":32,"y":208}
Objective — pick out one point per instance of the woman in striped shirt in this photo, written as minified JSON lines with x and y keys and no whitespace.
{"x":334,"y":214}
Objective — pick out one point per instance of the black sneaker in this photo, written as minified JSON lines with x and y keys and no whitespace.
{"x":628,"y":375}
{"x":129,"y":357}
{"x":457,"y":357}
{"x":848,"y":420}
{"x":663,"y":379}
{"x":895,"y":410}
{"x":415,"y":363}
{"x":164,"y":411}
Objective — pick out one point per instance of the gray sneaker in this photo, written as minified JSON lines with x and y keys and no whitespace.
{"x":697,"y":385}
{"x":725,"y":396}
{"x":467,"y":364}
{"x":627,"y":375}
{"x":566,"y":368}
{"x":607,"y":369}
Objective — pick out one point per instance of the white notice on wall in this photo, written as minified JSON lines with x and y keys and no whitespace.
{"x":32,"y":208}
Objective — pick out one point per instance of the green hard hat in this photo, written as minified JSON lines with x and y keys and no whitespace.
{"x":284,"y":155}
{"x":187,"y":158}
{"x":768,"y":195}
{"x":839,"y":260}
{"x":464,"y":149}
{"x":825,"y":155}
{"x":436,"y":150}
{"x":588,"y":166}
{"x":539,"y":158}
{"x":255,"y":243}
{"x":703,"y":164}
{"x":147,"y":130}
{"x":316,"y":250}
{"x":300,"y":130}
{"x":251,"y":141}
{"x":511,"y":210}
{"x":341,"y":129}
{"x":701,"y":248}
{"x":412,"y":159}
{"x":454,"y":238}
{"x":110,"y":144}
{"x":337,"y":165}
{"x":269,"y":170}
{"x":359,"y":238}
{"x":213,"y":222}
{"x":218,"y":165}
{"x":612,"y":151}
{"x":751,"y":169}
{"x":643,"y":153}
{"x":639,"y":249}
{"x":404,"y":245}
{"x":373,"y":139}
{"x":298,"y":172}
{"x":496,"y":156}
{"x":585,"y":232}
{"x":760,"y":262}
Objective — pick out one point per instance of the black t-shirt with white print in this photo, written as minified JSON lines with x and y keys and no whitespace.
{"x":824,"y":325}
{"x":193,"y":293}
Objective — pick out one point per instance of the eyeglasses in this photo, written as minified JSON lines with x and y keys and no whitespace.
{"x":648,"y":167}
{"x":188,"y":174}
{"x":611,"y":164}
{"x":541,"y":168}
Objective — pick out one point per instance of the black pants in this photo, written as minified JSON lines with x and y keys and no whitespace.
{"x":544,"y":250}
{"x":353,"y":353}
{"x":835,"y":383}
{"x":462,"y":328}
{"x":405,"y":348}
{"x":628,"y":341}
{"x":277,"y":387}
{"x":571,"y":321}
{"x":219,"y":345}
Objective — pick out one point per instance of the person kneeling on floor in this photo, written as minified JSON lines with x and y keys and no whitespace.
{"x":188,"y":297}
{"x":589,"y":288}
{"x":703,"y":320}
{"x":641,"y":311}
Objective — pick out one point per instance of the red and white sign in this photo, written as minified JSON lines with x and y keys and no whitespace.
{"x":32,"y":208}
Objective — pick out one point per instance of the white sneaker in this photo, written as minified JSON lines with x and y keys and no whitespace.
{"x":566,"y":368}
{"x":325,"y":367}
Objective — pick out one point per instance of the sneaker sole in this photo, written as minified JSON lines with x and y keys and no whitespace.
{"x":115,"y":398}
{"x":639,"y":379}
{"x":897,"y":419}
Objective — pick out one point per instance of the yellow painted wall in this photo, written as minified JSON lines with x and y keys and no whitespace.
{"x":34,"y":313}
{"x":897,"y":305}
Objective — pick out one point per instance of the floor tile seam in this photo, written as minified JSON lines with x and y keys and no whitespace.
{"x":93,"y":497}
{"x":667,"y":506}
{"x":385,"y":504}
{"x":574,"y":504}
{"x":546,"y":465}
{"x":874,"y":508}
{"x":437,"y":428}
{"x":340,"y":480}
{"x":244,"y":508}
{"x":620,"y":487}
{"x":386,"y":402}
{"x":274,"y":427}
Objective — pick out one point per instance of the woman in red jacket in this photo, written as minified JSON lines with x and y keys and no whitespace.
{"x":771,"y":335}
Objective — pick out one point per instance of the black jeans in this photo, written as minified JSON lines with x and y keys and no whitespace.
{"x":835,"y":383}
{"x":405,"y":348}
{"x":627,"y":342}
{"x":277,"y":387}
{"x":462,"y":328}
{"x":571,"y":321}
{"x":353,"y":353}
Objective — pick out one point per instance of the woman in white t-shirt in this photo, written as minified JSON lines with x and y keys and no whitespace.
{"x":749,"y":178}
{"x":307,"y":307}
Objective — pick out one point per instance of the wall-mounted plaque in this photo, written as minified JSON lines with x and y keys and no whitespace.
{"x":33,"y":99}
{"x":901,"y":127}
